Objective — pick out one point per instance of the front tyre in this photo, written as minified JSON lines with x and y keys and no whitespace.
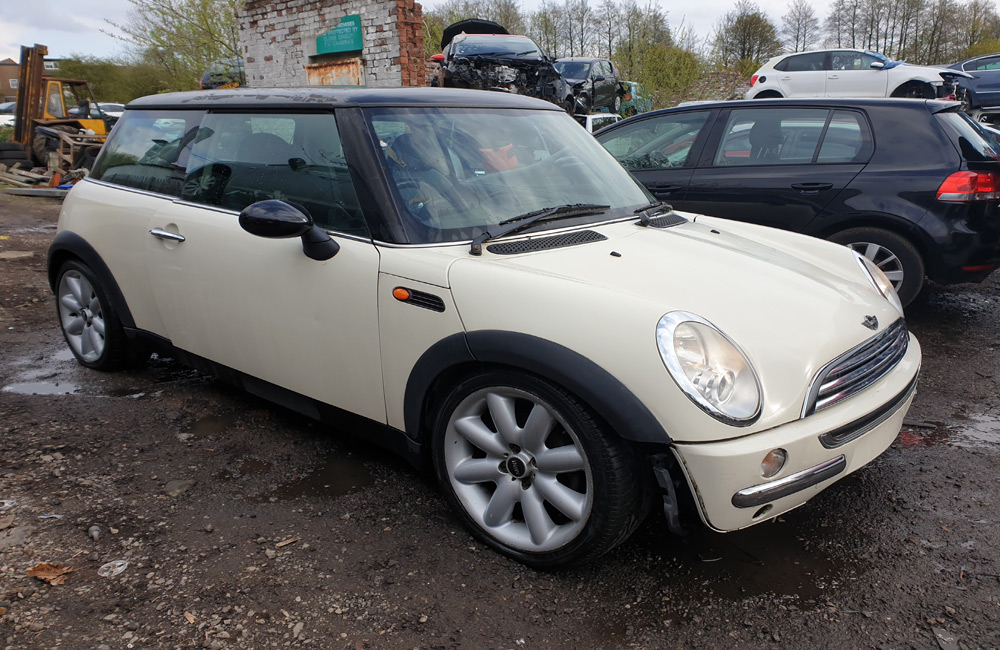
{"x":532,"y":471}
{"x":617,"y":107}
{"x":89,"y":323}
{"x":893,"y":254}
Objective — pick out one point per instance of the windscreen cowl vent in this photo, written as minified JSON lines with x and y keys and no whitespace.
{"x":546,"y":243}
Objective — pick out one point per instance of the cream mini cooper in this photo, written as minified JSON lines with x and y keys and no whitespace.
{"x":470,"y":279}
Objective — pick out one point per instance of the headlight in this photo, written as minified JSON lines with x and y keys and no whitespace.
{"x":879,"y":281}
{"x":711,"y":370}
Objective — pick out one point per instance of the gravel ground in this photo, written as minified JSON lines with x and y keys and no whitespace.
{"x":239,"y":524}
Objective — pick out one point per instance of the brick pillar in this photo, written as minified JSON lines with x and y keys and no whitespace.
{"x":410,"y":28}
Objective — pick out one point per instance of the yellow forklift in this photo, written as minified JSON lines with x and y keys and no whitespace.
{"x":57,"y":121}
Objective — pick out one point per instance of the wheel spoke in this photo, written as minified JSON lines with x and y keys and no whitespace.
{"x":569,"y":502}
{"x":75,"y":287}
{"x":75,"y":326}
{"x":478,"y":470}
{"x":871,"y":251}
{"x":560,"y":459}
{"x":96,"y":340}
{"x":502,"y":412}
{"x":476,"y":433}
{"x":502,"y":503}
{"x":98,"y":325}
{"x":537,"y":429}
{"x":70,"y":302}
{"x":86,"y":346}
{"x":539,"y":523}
{"x":895,"y":277}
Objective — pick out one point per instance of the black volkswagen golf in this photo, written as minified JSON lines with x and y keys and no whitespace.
{"x":914,"y":185}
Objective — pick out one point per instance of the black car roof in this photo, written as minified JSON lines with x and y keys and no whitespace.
{"x":319,"y":98}
{"x":933,"y":105}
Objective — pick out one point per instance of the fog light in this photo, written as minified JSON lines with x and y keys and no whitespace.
{"x":773,"y":462}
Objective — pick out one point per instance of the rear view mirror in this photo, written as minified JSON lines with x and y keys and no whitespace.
{"x":280,"y":220}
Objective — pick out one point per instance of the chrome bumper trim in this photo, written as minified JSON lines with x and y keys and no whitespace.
{"x":758,"y":495}
{"x":845,"y":434}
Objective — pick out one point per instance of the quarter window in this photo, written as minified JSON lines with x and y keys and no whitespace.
{"x":240,"y":159}
{"x":148,"y":151}
{"x":657,"y":143}
{"x":845,"y":139}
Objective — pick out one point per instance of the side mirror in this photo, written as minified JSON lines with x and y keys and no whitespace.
{"x":280,"y":220}
{"x":877,"y":65}
{"x":599,"y":77}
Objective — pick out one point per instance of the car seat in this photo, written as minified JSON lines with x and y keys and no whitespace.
{"x":765,"y":140}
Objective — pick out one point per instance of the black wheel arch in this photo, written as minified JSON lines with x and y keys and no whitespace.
{"x":71,"y":246}
{"x":461,"y":355}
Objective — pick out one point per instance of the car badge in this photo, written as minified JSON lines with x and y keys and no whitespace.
{"x":870,"y":322}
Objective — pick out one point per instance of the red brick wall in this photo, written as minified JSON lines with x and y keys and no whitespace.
{"x":410,"y":26}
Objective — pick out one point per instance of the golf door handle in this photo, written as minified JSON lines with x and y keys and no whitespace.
{"x":662,"y":189}
{"x":811,"y":188}
{"x":159,"y":233}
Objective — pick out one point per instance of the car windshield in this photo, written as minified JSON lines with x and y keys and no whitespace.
{"x":496,"y":45}
{"x":456,"y":172}
{"x":573,"y":69}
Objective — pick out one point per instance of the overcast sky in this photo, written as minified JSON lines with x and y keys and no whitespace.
{"x":73,"y":27}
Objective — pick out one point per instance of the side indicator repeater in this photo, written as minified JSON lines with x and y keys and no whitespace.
{"x":399,"y":293}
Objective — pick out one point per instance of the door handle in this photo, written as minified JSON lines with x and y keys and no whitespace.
{"x":833,"y":76}
{"x":811,"y":188}
{"x":159,"y":233}
{"x":662,"y":189}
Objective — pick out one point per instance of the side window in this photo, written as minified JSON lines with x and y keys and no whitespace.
{"x":657,"y":143}
{"x":605,"y":69}
{"x":148,"y":150}
{"x":54,"y":102}
{"x":239,"y":159}
{"x":846,"y":139}
{"x":811,"y":61}
{"x":991,"y":63}
{"x":772,"y":136}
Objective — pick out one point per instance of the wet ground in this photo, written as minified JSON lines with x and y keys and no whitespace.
{"x":233,"y":523}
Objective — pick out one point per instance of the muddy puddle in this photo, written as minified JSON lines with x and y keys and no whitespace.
{"x":208,"y":426}
{"x":41,"y":388}
{"x":336,"y":476}
{"x":975,"y":431}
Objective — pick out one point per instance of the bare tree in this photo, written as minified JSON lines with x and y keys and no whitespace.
{"x":745,"y":37}
{"x":183,"y":37}
{"x":800,"y":27}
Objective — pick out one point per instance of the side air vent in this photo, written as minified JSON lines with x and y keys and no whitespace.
{"x":418,"y":298}
{"x":546,"y":243}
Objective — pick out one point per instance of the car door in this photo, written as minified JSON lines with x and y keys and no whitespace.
{"x":802,"y":75}
{"x":259,"y":305}
{"x":851,"y":75}
{"x":778,"y":167}
{"x":987,"y":80}
{"x":603,"y":89}
{"x":660,"y":149}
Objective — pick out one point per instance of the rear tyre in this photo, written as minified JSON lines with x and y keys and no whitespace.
{"x":89,"y":322}
{"x":533,"y":472}
{"x":893,"y":254}
{"x":915,"y":90}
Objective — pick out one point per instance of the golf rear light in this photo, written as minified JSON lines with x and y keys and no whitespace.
{"x":753,"y":80}
{"x":970,"y":186}
{"x":773,"y":462}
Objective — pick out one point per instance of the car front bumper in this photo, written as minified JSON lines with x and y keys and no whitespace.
{"x":725,"y":476}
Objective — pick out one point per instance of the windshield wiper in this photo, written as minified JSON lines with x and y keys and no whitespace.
{"x":522,"y":221}
{"x":647,"y":213}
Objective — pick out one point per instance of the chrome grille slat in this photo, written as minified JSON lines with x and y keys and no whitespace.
{"x":857,"y":369}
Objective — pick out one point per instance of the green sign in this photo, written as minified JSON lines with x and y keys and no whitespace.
{"x":345,"y":37}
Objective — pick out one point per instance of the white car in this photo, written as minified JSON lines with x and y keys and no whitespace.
{"x":470,"y":279}
{"x":849,"y":73}
{"x":7,"y":113}
{"x":111,"y":109}
{"x":594,"y":122}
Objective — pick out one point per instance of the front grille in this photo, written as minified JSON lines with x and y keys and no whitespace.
{"x":546,"y":243}
{"x":858,"y":369}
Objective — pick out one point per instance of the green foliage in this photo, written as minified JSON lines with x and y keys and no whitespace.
{"x":670,"y":71}
{"x":6,"y":134}
{"x":116,"y":81}
{"x":982,"y":48}
{"x":745,"y":38}
{"x":181,"y":38}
